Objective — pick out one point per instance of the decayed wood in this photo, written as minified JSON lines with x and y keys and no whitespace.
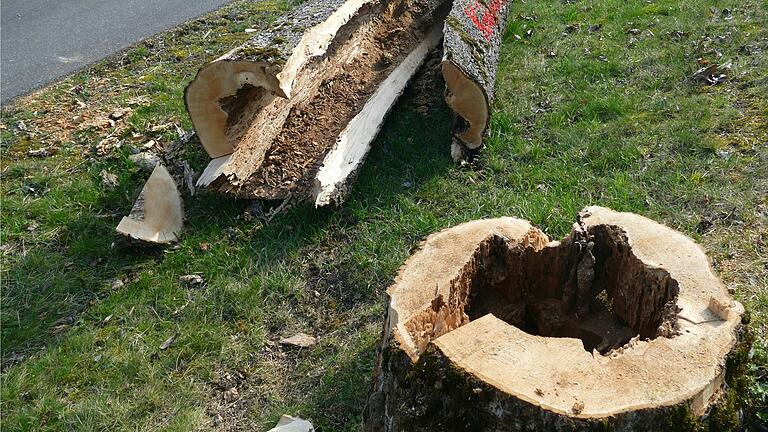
{"x":333,"y":181}
{"x":264,"y":71}
{"x":472,"y":39}
{"x":621,"y":326}
{"x":336,"y":103}
{"x":158,"y":215}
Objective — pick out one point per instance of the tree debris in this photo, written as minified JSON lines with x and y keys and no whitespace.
{"x":301,"y":340}
{"x":191,"y":280}
{"x":157,"y":216}
{"x":168,"y":342}
{"x":292,"y":424}
{"x":293,"y":111}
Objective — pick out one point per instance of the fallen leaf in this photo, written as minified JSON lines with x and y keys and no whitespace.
{"x":712,"y":74}
{"x":41,"y":152}
{"x":108,"y":179}
{"x":231,"y":395}
{"x":292,"y":424}
{"x":119,"y":113}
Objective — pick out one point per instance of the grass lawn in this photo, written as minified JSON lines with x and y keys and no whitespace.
{"x":596,"y":104}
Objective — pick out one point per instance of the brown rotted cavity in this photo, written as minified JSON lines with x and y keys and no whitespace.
{"x":590,"y":286}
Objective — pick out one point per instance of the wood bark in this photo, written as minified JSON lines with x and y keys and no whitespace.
{"x":472,"y":39}
{"x":293,"y":112}
{"x":488,"y":327}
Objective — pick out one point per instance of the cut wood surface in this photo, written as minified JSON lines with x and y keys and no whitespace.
{"x":158,"y":215}
{"x":333,"y":181}
{"x":492,"y":326}
{"x":472,"y":39}
{"x":228,"y":95}
{"x":271,"y":138}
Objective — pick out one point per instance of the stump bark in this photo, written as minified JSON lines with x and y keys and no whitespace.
{"x":293,"y":111}
{"x":473,"y":33}
{"x":621,"y":326}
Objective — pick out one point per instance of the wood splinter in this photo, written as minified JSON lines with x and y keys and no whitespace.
{"x":157,"y":216}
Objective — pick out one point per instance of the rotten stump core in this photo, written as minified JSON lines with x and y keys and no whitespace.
{"x":491,"y":326}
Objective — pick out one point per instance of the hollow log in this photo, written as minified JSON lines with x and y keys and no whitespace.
{"x":472,"y":39}
{"x":306,"y":95}
{"x":157,"y":215}
{"x":621,"y":326}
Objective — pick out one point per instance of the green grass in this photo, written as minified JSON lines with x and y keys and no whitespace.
{"x":613,"y":118}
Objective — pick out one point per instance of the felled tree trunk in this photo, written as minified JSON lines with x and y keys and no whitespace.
{"x":473,"y":33}
{"x":274,"y":111}
{"x":622,"y":326}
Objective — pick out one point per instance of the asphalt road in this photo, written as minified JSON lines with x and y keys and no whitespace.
{"x":43,"y":40}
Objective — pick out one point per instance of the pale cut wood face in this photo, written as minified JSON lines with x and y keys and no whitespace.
{"x":469,"y":102}
{"x":158,"y":215}
{"x":508,"y":319}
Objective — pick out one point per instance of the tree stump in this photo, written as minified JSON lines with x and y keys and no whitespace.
{"x":621,"y":326}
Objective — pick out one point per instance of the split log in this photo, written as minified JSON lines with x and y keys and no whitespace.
{"x":157,"y":216}
{"x":472,"y":39}
{"x":622,"y":326}
{"x":310,"y":92}
{"x":340,"y":166}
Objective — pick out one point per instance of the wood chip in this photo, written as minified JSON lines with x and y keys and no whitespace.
{"x":301,"y":340}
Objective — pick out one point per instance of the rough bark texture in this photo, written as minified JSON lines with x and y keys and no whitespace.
{"x":472,"y":39}
{"x":621,"y":326}
{"x":278,"y":135}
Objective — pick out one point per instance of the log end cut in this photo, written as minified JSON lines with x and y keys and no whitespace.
{"x":157,"y":216}
{"x":622,"y":323}
{"x":468,"y":100}
{"x":224,"y":96}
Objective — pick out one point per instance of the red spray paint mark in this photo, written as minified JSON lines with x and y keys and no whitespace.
{"x":486,"y":23}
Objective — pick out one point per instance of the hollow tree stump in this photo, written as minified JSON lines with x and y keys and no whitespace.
{"x":621,"y":326}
